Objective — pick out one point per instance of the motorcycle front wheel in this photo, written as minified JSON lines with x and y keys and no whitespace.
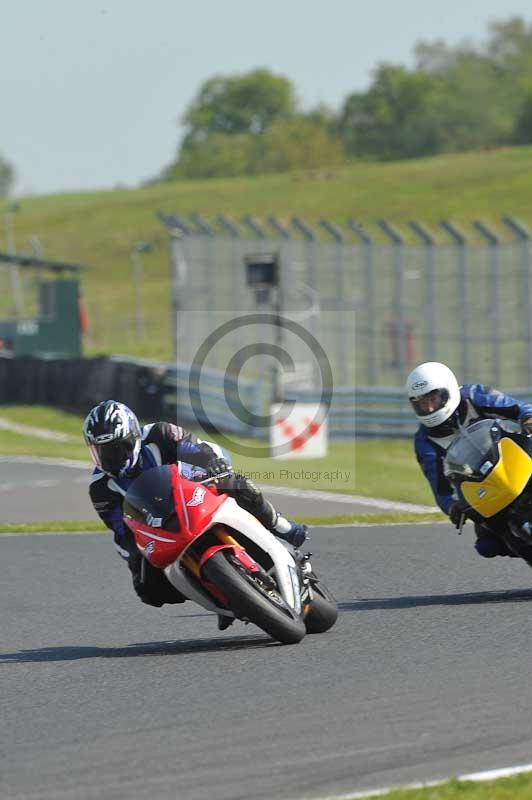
{"x":518,"y":547}
{"x":249,"y":599}
{"x":323,"y":611}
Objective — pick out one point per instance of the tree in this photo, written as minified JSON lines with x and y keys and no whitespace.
{"x":510,"y":47}
{"x":473,"y":108}
{"x":7,"y":177}
{"x":249,"y":124}
{"x":392,"y":119}
{"x":238,"y":104}
{"x":455,"y":98}
{"x":300,"y":143}
{"x":523,"y":122}
{"x":303,"y":142}
{"x":483,"y":87}
{"x":218,"y":156}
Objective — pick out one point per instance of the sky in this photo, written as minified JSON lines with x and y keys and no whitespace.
{"x":92,"y":91}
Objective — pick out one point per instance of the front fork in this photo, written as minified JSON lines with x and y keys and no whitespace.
{"x":305,"y":571}
{"x":193,"y":561}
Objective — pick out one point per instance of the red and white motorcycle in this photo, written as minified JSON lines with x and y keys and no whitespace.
{"x":222,"y":558}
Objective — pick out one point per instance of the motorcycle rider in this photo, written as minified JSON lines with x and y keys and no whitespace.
{"x":442,"y":407}
{"x":122,"y":450}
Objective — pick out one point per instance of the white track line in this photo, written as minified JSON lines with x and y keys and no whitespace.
{"x":368,"y":523}
{"x":47,"y":462}
{"x":304,"y":494}
{"x":39,"y":433}
{"x":475,"y":777}
{"x":349,"y":499}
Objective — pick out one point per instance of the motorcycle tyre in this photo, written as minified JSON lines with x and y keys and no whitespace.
{"x":246,"y":601}
{"x":518,"y":547}
{"x":323,"y":611}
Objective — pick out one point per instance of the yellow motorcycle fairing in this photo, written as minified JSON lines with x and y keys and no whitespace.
{"x":504,"y":483}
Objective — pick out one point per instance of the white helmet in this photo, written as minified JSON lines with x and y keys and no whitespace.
{"x":433,"y":392}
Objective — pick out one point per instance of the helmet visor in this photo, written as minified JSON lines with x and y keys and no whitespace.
{"x":113,"y":456}
{"x":430,"y":402}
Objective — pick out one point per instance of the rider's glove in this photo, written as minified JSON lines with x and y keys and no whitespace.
{"x":457,"y":511}
{"x":213,"y":463}
{"x":218,"y":466}
{"x":526,"y":425}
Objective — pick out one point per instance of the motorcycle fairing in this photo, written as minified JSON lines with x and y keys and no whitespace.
{"x":160,"y":544}
{"x":503,"y":484}
{"x":231,"y":514}
{"x":170,"y":515}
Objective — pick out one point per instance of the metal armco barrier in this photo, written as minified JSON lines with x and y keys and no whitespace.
{"x":212,"y":399}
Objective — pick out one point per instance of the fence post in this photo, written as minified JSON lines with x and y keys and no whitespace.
{"x":179,"y":284}
{"x":254,"y":226}
{"x":336,"y":234}
{"x":524,"y":236}
{"x":210,"y":289}
{"x":278,"y":227}
{"x":173,"y":221}
{"x":370,"y":302}
{"x":286,"y":254}
{"x":180,"y":258}
{"x":311,"y":251}
{"x":234,"y":232}
{"x":202,"y":224}
{"x":460,"y":240}
{"x":229,"y":225}
{"x":16,"y":282}
{"x":431,"y":308}
{"x":137,"y":275}
{"x":401,"y":334}
{"x":311,"y":261}
{"x":237,"y":274}
{"x":495,"y":314}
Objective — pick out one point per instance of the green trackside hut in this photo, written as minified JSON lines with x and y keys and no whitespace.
{"x":55,"y":327}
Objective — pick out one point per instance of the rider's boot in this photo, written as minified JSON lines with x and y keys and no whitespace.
{"x":295,"y":533}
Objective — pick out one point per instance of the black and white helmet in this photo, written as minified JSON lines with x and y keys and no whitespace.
{"x":113,"y":436}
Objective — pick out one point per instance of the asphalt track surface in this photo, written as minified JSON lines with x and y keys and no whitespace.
{"x":32,"y":492}
{"x":425,"y":675}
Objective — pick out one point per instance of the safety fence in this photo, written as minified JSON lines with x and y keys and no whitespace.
{"x":376,"y":307}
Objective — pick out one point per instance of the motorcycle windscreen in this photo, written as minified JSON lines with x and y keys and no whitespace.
{"x":470,"y":449}
{"x":505,"y":482}
{"x":150,"y":499}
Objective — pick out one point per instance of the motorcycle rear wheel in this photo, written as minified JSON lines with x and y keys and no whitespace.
{"x":246,"y":600}
{"x":323,"y":611}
